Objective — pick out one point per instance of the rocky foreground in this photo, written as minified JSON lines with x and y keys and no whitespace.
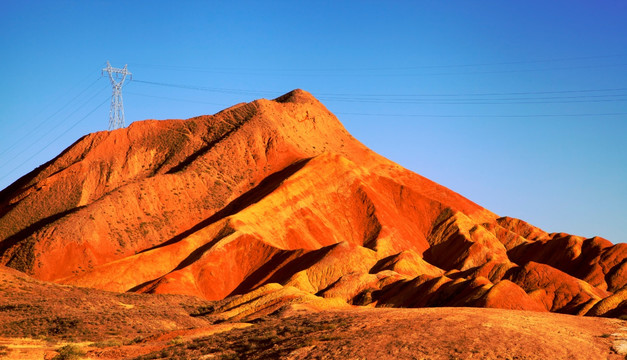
{"x":40,"y":320}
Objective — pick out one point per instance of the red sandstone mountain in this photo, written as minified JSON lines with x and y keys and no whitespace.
{"x":274,"y":200}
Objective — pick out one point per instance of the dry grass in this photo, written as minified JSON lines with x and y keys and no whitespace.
{"x":161,"y":327}
{"x":34,"y":309}
{"x":442,"y":333}
{"x":270,"y":338}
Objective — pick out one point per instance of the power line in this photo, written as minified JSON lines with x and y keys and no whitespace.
{"x":404,"y":73}
{"x":54,"y":140}
{"x":448,"y":98}
{"x":416,"y":115}
{"x":329,"y":95}
{"x":67,"y":117}
{"x":479,"y":94}
{"x":61,"y":95}
{"x":177,"y":99}
{"x":510,"y":71}
{"x":209,"y":89}
{"x":485,"y":116}
{"x":38,"y":126}
{"x":116,"y":77}
{"x":471,"y":101}
{"x":459,"y":101}
{"x":357,"y":68}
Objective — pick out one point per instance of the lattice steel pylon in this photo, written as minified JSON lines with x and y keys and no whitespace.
{"x":117,"y":77}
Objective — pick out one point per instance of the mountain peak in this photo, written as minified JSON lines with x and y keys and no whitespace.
{"x":297,"y":96}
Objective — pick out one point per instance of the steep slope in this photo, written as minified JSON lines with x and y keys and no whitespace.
{"x":278,"y":192}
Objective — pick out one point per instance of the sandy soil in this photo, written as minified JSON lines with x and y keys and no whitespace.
{"x":38,"y":319}
{"x":435,"y":333}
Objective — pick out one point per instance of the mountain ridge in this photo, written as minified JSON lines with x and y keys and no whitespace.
{"x":225,"y":204}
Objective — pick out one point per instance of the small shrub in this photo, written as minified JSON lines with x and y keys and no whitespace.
{"x":304,"y":343}
{"x":48,"y":339}
{"x":330,"y":338}
{"x":135,"y":340}
{"x":4,"y":350}
{"x":177,"y":340}
{"x":229,"y":356}
{"x":107,"y":343}
{"x":203,"y":310}
{"x":69,"y":352}
{"x":326,"y":326}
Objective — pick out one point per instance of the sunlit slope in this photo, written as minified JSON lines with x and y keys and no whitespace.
{"x":278,"y":192}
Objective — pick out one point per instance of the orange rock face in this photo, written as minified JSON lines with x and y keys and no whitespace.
{"x":278,"y":192}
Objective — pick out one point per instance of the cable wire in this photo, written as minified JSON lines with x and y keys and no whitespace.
{"x":458,"y":101}
{"x":356,"y":68}
{"x":328,"y":95}
{"x":176,"y":99}
{"x":68,"y":117}
{"x":54,"y":140}
{"x":38,"y":126}
{"x":485,"y":116}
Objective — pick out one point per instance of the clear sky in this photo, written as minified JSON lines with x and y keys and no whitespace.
{"x":521,"y":106}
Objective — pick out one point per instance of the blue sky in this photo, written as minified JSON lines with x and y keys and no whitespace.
{"x":519,"y":106}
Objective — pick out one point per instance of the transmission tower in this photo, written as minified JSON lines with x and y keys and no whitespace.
{"x":117,"y":77}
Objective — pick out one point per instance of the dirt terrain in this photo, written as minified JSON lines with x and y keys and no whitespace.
{"x":40,"y":319}
{"x":435,"y":333}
